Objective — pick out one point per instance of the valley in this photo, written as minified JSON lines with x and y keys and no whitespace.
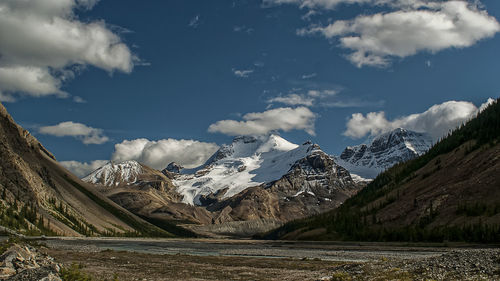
{"x":316,"y":140}
{"x":202,"y":259}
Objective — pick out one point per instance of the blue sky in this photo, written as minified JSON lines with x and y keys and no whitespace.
{"x":170,"y":70}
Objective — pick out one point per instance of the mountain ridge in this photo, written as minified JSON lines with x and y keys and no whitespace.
{"x":449,"y":193}
{"x":384,"y":151}
{"x":254,"y":181}
{"x":39,"y":196}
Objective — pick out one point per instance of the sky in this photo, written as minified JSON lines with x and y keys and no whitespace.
{"x":162,"y":81}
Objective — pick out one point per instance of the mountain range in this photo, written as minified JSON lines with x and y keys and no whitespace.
{"x":250,"y":185}
{"x":449,"y":193}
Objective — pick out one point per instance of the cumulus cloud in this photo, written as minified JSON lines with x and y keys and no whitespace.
{"x":242,"y":73}
{"x":437,"y":121}
{"x":86,"y":134}
{"x":259,"y":123}
{"x":436,"y":26}
{"x":158,"y":154}
{"x":43,"y":40}
{"x":82,"y":169}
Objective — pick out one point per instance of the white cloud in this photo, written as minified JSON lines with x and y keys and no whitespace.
{"x":321,"y":93}
{"x":437,"y":121}
{"x":293,"y":99}
{"x":375,"y":39}
{"x":242,"y":73}
{"x":313,"y":4}
{"x":82,"y":169}
{"x":86,"y":134}
{"x":42,"y":41}
{"x":194,"y":22}
{"x":158,"y":154}
{"x":353,"y":103}
{"x":34,"y":81}
{"x":309,"y":76}
{"x":78,"y":99}
{"x":242,"y":28}
{"x":259,"y":123}
{"x":308,"y":99}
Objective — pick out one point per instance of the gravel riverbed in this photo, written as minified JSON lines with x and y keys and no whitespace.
{"x":205,"y":259}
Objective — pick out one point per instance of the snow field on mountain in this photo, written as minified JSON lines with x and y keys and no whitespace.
{"x":248,"y":161}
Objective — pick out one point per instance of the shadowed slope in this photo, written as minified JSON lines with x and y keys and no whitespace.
{"x":39,"y":196}
{"x":450,"y":193}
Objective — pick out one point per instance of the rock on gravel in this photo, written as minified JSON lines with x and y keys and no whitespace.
{"x":472,"y":264}
{"x":23,"y":262}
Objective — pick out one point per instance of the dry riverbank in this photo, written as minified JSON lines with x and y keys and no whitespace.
{"x":261,"y":260}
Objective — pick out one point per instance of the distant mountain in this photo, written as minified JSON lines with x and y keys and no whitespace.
{"x":39,"y":196}
{"x":450,"y":193}
{"x":313,"y":184}
{"x":246,"y":162}
{"x":147,"y":193}
{"x":383,"y":152}
{"x":254,"y":182}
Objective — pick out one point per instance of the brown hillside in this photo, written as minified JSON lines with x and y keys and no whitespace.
{"x":39,"y":196}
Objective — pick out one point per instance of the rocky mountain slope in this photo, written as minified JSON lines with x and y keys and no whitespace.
{"x":252,"y":184}
{"x":383,"y":152}
{"x":313,"y":184}
{"x":449,"y":193}
{"x":38,"y":196}
{"x":147,"y":193}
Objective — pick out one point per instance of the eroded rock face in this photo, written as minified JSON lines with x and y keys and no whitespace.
{"x":27,"y":263}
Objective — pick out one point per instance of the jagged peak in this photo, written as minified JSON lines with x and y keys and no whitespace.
{"x":114,"y":173}
{"x":245,"y":146}
{"x":400,"y":133}
{"x":384,"y":151}
{"x":173,"y":167}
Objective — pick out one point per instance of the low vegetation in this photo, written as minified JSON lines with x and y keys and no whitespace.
{"x":142,"y":229}
{"x":23,"y":218}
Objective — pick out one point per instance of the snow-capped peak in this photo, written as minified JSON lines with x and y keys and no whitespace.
{"x":113,"y":174}
{"x":275,"y":143}
{"x":246,"y":146}
{"x":384,"y":151}
{"x":247,"y":161}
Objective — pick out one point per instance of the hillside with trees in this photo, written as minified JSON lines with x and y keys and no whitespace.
{"x":451,"y":193}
